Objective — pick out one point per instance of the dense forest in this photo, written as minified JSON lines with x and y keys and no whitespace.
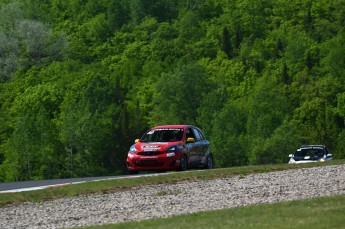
{"x":81,"y":79}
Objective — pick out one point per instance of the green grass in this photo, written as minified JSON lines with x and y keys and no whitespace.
{"x":123,"y":184}
{"x":318,"y":213}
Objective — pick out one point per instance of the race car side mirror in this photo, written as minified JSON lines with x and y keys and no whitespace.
{"x":190,"y":140}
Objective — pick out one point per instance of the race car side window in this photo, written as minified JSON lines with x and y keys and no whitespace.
{"x":190,"y":134}
{"x":201,"y":135}
{"x":198,"y":136}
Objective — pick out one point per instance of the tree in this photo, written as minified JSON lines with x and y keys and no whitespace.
{"x":9,"y":45}
{"x":267,"y":108}
{"x":117,"y":14}
{"x":226,"y":43}
{"x":9,"y":60}
{"x":31,"y":152}
{"x":25,"y":42}
{"x":179,"y":95}
{"x":228,"y":136}
{"x":90,"y":124}
{"x":283,"y":141}
{"x":334,"y":55}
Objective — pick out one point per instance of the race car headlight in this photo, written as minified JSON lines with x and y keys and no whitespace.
{"x":292,"y":161}
{"x":132,"y":149}
{"x":171,"y":151}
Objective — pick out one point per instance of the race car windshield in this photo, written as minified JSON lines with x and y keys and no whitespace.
{"x":309,"y":152}
{"x":163,"y":135}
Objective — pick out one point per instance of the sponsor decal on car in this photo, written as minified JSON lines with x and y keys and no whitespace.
{"x":148,"y":157}
{"x":150,"y":148}
{"x":312,"y":147}
{"x":168,"y":129}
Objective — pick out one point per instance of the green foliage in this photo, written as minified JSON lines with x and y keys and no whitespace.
{"x":26,"y":42}
{"x":267,"y":108}
{"x":33,"y":148}
{"x":227,"y":137}
{"x":80,"y":80}
{"x":178,"y":95}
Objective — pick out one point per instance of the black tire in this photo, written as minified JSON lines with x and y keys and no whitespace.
{"x":209,"y":162}
{"x":183,"y":163}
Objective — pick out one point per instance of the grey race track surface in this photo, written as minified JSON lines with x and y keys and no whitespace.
{"x":31,"y":184}
{"x":40,"y":184}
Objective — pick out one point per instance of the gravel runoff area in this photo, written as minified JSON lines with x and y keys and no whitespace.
{"x":171,"y":199}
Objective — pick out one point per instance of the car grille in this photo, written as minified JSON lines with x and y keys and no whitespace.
{"x":149,"y":153}
{"x":149,"y":163}
{"x":312,"y":158}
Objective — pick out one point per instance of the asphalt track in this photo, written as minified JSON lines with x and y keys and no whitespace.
{"x":11,"y":187}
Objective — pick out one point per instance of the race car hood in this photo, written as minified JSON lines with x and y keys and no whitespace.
{"x":154,"y":146}
{"x":307,"y":158}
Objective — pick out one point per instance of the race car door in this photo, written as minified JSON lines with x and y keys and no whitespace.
{"x":192,"y":147}
{"x":202,"y":145}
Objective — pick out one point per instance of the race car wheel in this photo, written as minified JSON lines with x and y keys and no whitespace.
{"x":183,"y":163}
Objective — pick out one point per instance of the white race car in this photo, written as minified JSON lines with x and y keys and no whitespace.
{"x":310,"y":153}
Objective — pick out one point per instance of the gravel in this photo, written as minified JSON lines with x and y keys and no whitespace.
{"x":172,"y":199}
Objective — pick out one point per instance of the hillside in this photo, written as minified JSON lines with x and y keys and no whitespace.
{"x":81,"y":79}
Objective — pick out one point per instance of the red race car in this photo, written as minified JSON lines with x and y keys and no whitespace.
{"x":170,"y":147}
